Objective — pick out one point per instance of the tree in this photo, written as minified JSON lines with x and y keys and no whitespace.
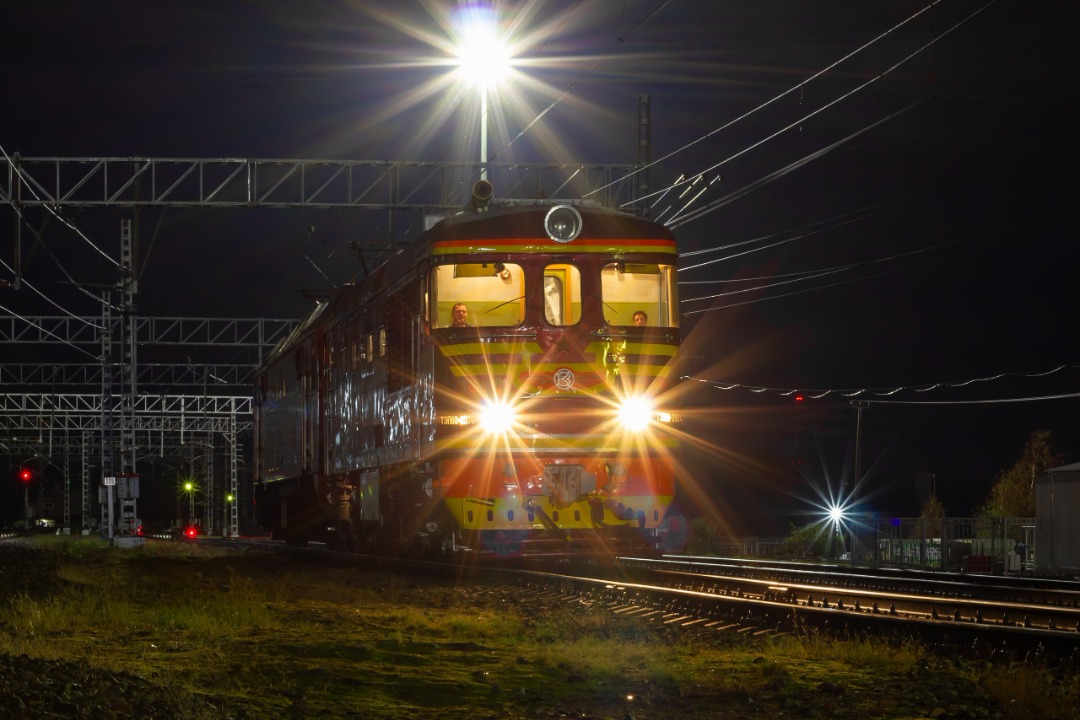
{"x":814,"y":540}
{"x":933,"y":509}
{"x":1013,"y":492}
{"x":932,"y":512}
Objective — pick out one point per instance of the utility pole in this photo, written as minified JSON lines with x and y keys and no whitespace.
{"x":856,"y":546}
{"x":129,"y":392}
{"x":644,"y":150}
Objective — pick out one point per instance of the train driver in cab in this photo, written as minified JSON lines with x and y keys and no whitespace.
{"x":459,"y":315}
{"x":640,"y":318}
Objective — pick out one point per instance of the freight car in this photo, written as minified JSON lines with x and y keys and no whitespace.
{"x":499,"y":385}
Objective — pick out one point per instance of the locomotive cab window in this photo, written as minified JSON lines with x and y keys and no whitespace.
{"x":482,"y":294}
{"x":637,"y":294}
{"x":562,"y":294}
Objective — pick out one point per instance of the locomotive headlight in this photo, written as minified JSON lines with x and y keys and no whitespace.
{"x":636,"y":413}
{"x":639,"y":413}
{"x":496,"y":417}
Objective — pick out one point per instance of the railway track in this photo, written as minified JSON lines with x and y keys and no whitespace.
{"x":954,"y":613}
{"x":1021,"y":617}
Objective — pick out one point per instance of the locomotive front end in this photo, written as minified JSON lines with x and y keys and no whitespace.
{"x":556,"y":330}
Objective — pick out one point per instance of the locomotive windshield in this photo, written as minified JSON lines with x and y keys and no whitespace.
{"x":488,"y":294}
{"x":493,"y":294}
{"x":639,"y":294}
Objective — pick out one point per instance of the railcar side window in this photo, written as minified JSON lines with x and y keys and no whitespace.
{"x":646,"y":290}
{"x":562,"y":294}
{"x":492,"y":293}
{"x":401,"y":309}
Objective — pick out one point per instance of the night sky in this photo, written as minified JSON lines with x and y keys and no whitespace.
{"x":893,"y":210}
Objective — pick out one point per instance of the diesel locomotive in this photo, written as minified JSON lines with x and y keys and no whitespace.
{"x":498,"y":386}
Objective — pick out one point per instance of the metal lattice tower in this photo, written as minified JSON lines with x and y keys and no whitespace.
{"x":128,"y":388}
{"x":86,"y":439}
{"x":67,"y":482}
{"x":209,"y":494}
{"x":233,"y":524}
{"x":106,"y":426}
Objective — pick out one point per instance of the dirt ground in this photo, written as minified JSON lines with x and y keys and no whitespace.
{"x":256,"y":637}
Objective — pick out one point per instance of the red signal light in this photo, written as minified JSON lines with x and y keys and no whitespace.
{"x":25,"y":475}
{"x":191,"y":531}
{"x":799,"y":397}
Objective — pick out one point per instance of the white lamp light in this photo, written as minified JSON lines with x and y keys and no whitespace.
{"x":483,"y":60}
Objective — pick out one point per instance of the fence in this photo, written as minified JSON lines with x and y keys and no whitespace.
{"x":974,"y":545}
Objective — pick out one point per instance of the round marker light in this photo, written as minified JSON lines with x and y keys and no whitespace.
{"x":563,"y":223}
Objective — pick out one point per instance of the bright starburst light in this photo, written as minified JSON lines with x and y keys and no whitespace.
{"x":468,"y":47}
{"x":841,"y":511}
{"x":484,"y":58}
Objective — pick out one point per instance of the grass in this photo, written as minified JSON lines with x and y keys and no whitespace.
{"x":265,"y":637}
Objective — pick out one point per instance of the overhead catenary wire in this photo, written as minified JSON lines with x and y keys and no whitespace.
{"x":995,"y":401}
{"x":566,"y":16}
{"x":882,"y":392}
{"x":812,"y":274}
{"x":29,"y":186}
{"x":53,"y":335}
{"x":694,"y":198}
{"x":41,"y":241}
{"x":75,"y":283}
{"x":622,"y":38}
{"x":50,"y":300}
{"x":840,"y":220}
{"x":818,"y":153}
{"x":789,"y":294}
{"x":821,"y":152}
{"x":320,"y":270}
{"x":765,"y":104}
{"x":978,"y":236}
{"x":1055,"y":209}
{"x":818,"y":228}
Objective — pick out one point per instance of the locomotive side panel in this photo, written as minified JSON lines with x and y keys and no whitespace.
{"x":287,"y":420}
{"x":377,"y":402}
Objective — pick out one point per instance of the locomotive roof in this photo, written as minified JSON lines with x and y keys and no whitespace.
{"x":519,"y":220}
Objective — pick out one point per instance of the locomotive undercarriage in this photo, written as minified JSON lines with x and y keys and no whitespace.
{"x":299,"y":510}
{"x":402,"y":510}
{"x":556,"y":503}
{"x":390,"y":511}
